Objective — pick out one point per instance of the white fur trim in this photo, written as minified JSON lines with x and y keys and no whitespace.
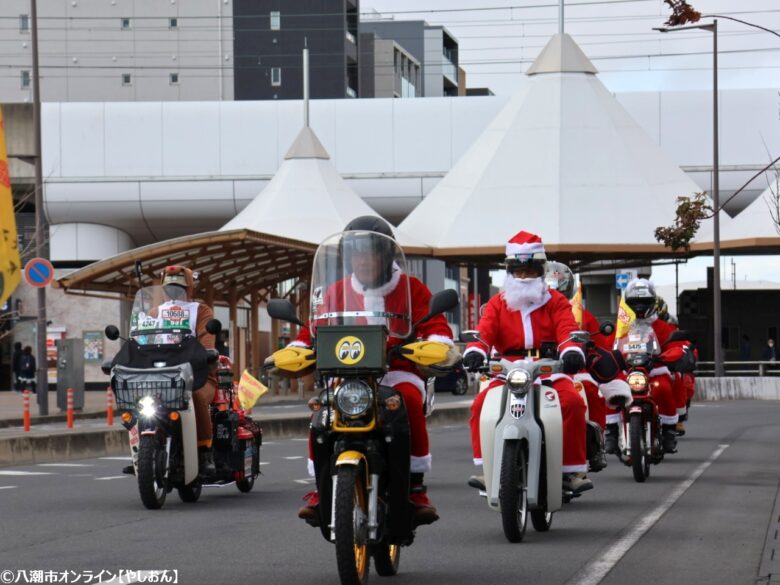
{"x":420,"y":464}
{"x":553,"y":377}
{"x":662,"y":371}
{"x":478,"y":461}
{"x":310,"y":467}
{"x":574,"y":348}
{"x":394,"y":377}
{"x":513,"y":248}
{"x":440,"y":339}
{"x":669,"y":419}
{"x":614,"y":389}
{"x":574,"y":468}
{"x":613,"y":419}
{"x":297,"y":344}
{"x":473,"y":349}
{"x":380,"y":291}
{"x":584,"y":377}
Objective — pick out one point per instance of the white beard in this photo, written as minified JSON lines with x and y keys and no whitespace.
{"x":521,"y":293}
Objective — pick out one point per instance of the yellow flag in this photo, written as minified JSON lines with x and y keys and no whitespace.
{"x":624,"y":318}
{"x":576,"y":305}
{"x":250,"y":389}
{"x":10,"y":264}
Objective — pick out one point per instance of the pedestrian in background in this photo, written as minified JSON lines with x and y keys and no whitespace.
{"x":16,"y":358}
{"x":744,"y":348}
{"x":27,"y":368}
{"x":770,"y":351}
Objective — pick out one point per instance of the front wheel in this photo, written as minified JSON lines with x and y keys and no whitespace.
{"x":638,"y":447}
{"x":351,"y":526}
{"x":151,"y":472}
{"x":461,"y":386}
{"x":513,"y":494}
{"x":387,"y":557}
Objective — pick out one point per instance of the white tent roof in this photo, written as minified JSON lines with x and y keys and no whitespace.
{"x":307,"y":200}
{"x":564,"y":160}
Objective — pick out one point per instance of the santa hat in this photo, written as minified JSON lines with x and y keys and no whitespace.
{"x":523,"y":244}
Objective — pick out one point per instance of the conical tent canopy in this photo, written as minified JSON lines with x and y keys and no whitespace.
{"x":563,"y":159}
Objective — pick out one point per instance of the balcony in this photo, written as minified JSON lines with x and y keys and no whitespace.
{"x":450,"y":70}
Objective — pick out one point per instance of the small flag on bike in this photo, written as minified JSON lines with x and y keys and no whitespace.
{"x":250,"y":389}
{"x":576,"y":305}
{"x":625,"y":317}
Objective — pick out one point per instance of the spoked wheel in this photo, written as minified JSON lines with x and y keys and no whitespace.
{"x":351,"y":520}
{"x":513,"y":491}
{"x":461,"y":386}
{"x":387,"y":557}
{"x":190,"y":493}
{"x":245,"y":485}
{"x":151,"y":472}
{"x":640,"y":464}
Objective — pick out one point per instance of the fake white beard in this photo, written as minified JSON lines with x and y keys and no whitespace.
{"x":520,"y":293}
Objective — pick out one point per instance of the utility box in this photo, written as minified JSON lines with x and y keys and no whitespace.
{"x":70,"y":372}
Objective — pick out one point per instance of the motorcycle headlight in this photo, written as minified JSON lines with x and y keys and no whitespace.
{"x":637,"y":381}
{"x":353,"y":398}
{"x":148,"y":407}
{"x":519,"y":381}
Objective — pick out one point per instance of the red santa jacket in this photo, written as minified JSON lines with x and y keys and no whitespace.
{"x":503,"y":328}
{"x":391,"y":297}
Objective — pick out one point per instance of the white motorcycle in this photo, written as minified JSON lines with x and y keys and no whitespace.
{"x":521,"y":430}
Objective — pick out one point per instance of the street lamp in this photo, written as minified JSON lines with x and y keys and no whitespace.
{"x":716,"y":318}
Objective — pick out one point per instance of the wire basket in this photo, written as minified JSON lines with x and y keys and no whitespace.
{"x":169,"y":392}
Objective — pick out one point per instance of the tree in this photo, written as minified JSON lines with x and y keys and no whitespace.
{"x":690,"y":212}
{"x":682,"y":13}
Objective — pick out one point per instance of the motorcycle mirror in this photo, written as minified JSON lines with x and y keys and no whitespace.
{"x":441,"y":302}
{"x":214,"y":326}
{"x":283,"y":310}
{"x":112,"y":332}
{"x":607,"y":328}
{"x":469,"y":335}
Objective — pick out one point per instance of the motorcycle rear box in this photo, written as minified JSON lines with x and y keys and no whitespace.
{"x":350,"y":349}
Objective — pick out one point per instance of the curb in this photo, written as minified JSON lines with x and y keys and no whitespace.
{"x":51,"y":418}
{"x":73,"y":444}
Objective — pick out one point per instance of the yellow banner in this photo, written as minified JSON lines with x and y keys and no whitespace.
{"x":10,"y":264}
{"x":250,"y":389}
{"x":624,"y":319}
{"x":576,"y":305}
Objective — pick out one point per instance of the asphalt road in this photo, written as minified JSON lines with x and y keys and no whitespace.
{"x":701,"y":518}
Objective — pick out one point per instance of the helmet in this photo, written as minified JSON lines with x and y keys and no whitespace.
{"x":559,"y":277}
{"x":178,"y":277}
{"x":525,"y":249}
{"x":366,"y":240}
{"x":641,"y":298}
{"x":662,"y":309}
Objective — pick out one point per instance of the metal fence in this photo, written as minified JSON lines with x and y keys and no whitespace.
{"x":761,"y":368}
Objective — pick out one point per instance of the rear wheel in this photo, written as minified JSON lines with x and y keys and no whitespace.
{"x":387,"y":557}
{"x":351,"y":521}
{"x":245,"y":485}
{"x":513,"y":494}
{"x":151,"y":472}
{"x":461,"y":386}
{"x":638,"y":447}
{"x":190,"y":493}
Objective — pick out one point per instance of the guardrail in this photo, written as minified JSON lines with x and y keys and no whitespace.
{"x":739,"y":368}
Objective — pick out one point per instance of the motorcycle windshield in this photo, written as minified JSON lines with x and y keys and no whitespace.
{"x":640,"y":339}
{"x":161,"y":315}
{"x":359,"y":278}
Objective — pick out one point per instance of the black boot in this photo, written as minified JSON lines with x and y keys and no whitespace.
{"x":129,"y":470}
{"x":611,"y":439}
{"x":669,"y":438}
{"x":206,"y":461}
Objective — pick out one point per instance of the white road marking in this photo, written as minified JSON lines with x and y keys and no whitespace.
{"x":112,"y":477}
{"x":302,"y":440}
{"x":265,"y":463}
{"x":595,"y":572}
{"x":14,"y":472}
{"x":306,"y":481}
{"x":65,"y":465}
{"x":291,"y":458}
{"x":127,"y":458}
{"x":7,"y":487}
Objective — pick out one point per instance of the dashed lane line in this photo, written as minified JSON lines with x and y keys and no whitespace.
{"x":110,"y":477}
{"x":19,"y":472}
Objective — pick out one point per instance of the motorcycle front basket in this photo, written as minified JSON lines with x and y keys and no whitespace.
{"x":169,"y":386}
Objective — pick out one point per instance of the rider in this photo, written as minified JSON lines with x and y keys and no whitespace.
{"x":641,"y":298}
{"x":515,"y":323}
{"x":178,"y":284}
{"x":375,"y":282}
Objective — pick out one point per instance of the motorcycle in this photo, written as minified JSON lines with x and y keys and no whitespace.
{"x":152,"y":378}
{"x":521,"y":431}
{"x":639,"y":431}
{"x":359,"y":427}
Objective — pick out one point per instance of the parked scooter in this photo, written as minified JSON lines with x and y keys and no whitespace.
{"x":152,"y":378}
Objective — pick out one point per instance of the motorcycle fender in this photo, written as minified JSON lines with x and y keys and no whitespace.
{"x":492,"y":412}
{"x":635,"y":409}
{"x":189,"y":440}
{"x":552,"y":422}
{"x":147,"y":426}
{"x":350,"y":458}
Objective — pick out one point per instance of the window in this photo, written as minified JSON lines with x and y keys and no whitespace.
{"x":25,"y":79}
{"x":174,"y":77}
{"x":125,"y":24}
{"x":127,"y":79}
{"x":24,"y":23}
{"x":276,"y":76}
{"x":276,"y":20}
{"x":173,"y":23}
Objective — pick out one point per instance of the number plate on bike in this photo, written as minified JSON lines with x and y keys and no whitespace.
{"x":517,"y":405}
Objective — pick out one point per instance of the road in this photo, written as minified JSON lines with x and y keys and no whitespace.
{"x":701,"y":518}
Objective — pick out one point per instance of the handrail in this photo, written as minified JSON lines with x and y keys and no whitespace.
{"x":740,"y":368}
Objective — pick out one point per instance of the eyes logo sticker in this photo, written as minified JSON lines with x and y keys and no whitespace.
{"x":349,"y":350}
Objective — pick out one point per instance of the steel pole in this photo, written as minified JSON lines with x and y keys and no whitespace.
{"x":716,"y":306}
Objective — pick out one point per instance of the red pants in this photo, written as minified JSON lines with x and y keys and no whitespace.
{"x":573,"y":409}
{"x":597,"y":408}
{"x":684,"y":386}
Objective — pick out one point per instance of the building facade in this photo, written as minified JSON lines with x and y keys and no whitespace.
{"x":387,"y":70}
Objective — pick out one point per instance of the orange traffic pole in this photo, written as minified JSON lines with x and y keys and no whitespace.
{"x":109,"y":407}
{"x":70,"y":408}
{"x":26,"y":410}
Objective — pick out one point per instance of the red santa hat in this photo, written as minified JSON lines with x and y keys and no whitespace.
{"x":524,"y":243}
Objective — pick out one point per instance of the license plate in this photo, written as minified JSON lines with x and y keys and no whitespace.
{"x":248,"y":461}
{"x":134,"y":438}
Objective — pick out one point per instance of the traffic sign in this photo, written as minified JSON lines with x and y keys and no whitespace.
{"x":621,"y":280}
{"x":38,"y":272}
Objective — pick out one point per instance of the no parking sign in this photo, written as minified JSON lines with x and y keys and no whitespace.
{"x":38,"y":272}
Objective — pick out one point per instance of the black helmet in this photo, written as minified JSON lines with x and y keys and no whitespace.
{"x":365,"y":239}
{"x":559,"y":277}
{"x":641,"y":297}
